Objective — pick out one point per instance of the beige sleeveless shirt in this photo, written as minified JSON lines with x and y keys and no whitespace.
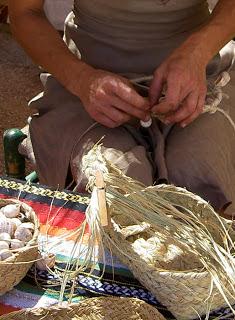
{"x":128,"y":36}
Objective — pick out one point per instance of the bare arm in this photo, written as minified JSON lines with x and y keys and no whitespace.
{"x":41,"y":41}
{"x":217,"y":32}
{"x":108,"y":98}
{"x":184,"y":72}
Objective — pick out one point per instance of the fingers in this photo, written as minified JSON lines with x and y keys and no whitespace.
{"x":182,"y":104}
{"x":190,"y":109}
{"x":112,"y":101}
{"x":129,"y":95}
{"x":119,"y":117}
{"x":172,"y":98}
{"x":105,"y":121}
{"x":187,"y":108}
{"x":196,"y":113}
{"x":109,"y":116}
{"x":128,"y":108}
{"x":156,"y":88}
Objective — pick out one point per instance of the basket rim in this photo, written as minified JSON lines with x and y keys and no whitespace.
{"x":33,"y":242}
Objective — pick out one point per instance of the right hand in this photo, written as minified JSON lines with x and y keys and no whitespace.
{"x":109,"y":98}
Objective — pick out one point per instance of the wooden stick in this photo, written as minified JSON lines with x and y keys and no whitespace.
{"x":104,"y":217}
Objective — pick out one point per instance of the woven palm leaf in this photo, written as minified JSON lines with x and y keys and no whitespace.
{"x":105,"y":308}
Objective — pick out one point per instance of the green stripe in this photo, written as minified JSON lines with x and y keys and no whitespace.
{"x":99,"y":267}
{"x":28,"y":288}
{"x":50,"y":293}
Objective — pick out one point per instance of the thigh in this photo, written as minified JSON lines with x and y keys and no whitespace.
{"x":201,"y":158}
{"x":63,"y":132}
{"x":59,"y":121}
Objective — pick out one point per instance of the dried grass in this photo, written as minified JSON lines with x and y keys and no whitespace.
{"x":161,"y":226}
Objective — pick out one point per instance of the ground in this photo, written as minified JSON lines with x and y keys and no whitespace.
{"x":19,"y":82}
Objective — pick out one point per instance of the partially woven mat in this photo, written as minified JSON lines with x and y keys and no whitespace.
{"x":65,"y":211}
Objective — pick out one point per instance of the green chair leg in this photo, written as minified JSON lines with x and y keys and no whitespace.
{"x":32,"y":177}
{"x":14,"y":161}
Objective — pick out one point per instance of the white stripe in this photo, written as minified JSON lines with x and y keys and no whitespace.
{"x":20,"y":299}
{"x":55,"y":245}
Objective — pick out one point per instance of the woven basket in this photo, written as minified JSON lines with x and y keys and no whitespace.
{"x":184,"y":293}
{"x":105,"y":308}
{"x":14,"y":269}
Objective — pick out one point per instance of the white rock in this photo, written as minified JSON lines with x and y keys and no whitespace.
{"x":5,"y":254}
{"x":1,"y":215}
{"x":23,"y":234}
{"x":4,"y":245}
{"x":11,"y":210}
{"x":5,"y":236}
{"x":7,"y":226}
{"x":16,"y":244}
{"x":16,"y":221}
{"x":28,"y":225}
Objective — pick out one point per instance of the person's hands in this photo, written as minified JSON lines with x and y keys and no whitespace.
{"x":183,"y":77}
{"x":110,"y":99}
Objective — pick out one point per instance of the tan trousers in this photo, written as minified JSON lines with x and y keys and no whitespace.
{"x":200,"y":157}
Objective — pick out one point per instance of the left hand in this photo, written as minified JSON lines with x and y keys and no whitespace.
{"x":183,"y":75}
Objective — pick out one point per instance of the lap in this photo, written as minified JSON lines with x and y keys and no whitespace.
{"x":200,"y":157}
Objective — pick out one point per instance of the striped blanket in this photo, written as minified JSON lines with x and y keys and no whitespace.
{"x":59,"y":212}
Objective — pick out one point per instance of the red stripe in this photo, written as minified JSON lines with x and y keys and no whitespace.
{"x":7,"y":309}
{"x":57,"y":217}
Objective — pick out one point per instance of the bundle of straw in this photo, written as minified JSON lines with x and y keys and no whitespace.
{"x":176,"y":245}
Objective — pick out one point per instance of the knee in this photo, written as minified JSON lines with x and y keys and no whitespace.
{"x":119,"y":148}
{"x":188,"y":171}
{"x":180,"y":168}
